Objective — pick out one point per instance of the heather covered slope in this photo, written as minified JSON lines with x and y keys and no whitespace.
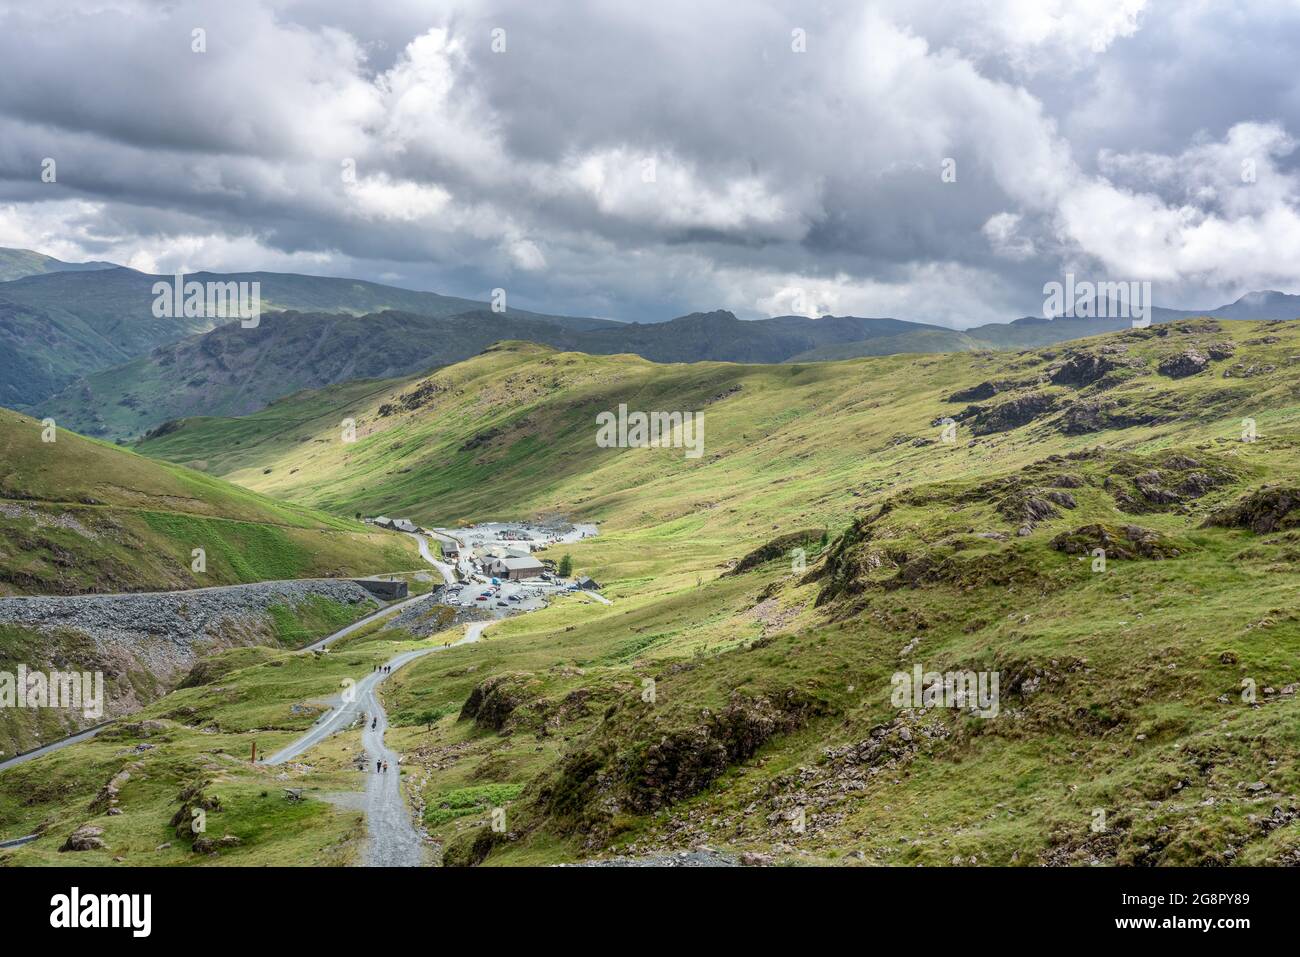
{"x":78,"y":516}
{"x":733,"y":698}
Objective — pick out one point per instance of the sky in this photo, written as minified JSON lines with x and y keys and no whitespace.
{"x":935,"y":161}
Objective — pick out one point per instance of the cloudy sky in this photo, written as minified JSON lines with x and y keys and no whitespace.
{"x":640,"y":161}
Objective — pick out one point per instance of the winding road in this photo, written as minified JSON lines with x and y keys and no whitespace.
{"x":89,"y":733}
{"x":393,"y":840}
{"x":448,"y":573}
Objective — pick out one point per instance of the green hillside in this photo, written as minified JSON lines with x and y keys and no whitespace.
{"x":1122,"y":735}
{"x":17,"y":263}
{"x":930,"y":340}
{"x":82,"y":516}
{"x":233,"y":371}
{"x":63,"y":321}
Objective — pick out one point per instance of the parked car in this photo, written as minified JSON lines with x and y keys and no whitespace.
{"x":514,"y":597}
{"x":481,"y":598}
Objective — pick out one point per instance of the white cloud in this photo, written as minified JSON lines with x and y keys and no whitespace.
{"x":772,"y":171}
{"x":1003,"y":232}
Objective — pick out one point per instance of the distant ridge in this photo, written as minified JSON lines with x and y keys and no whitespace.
{"x":17,"y":263}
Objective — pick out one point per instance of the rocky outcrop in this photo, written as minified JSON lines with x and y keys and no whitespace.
{"x":1268,"y":509}
{"x":494,"y":699}
{"x":986,"y":420}
{"x":1084,"y":368}
{"x":193,"y":800}
{"x":982,"y":391}
{"x":685,"y":761}
{"x":1097,"y":415}
{"x":1248,"y":370}
{"x":1188,"y":362}
{"x":1028,"y":506}
{"x":1118,"y":541}
{"x":777,"y":548}
{"x":1153,"y":485}
{"x":106,"y":799}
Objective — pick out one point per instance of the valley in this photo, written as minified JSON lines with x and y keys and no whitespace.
{"x":736,"y":694}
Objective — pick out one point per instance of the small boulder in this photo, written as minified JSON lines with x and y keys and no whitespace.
{"x":85,"y":838}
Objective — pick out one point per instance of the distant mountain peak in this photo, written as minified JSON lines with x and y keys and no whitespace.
{"x":1264,"y":297}
{"x":21,"y":263}
{"x":716,"y":315}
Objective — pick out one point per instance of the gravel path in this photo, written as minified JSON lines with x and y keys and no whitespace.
{"x":393,"y":839}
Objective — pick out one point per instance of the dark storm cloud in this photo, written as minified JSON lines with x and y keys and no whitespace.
{"x":621,"y":160}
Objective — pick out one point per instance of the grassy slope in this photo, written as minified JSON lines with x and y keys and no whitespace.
{"x":913,"y":342}
{"x":64,"y":321}
{"x":205,"y":734}
{"x":1120,"y":690}
{"x":80,"y":515}
{"x":17,"y":263}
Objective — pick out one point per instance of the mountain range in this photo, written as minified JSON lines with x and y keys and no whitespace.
{"x":83,"y":346}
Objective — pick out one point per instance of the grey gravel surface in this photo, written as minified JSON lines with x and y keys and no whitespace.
{"x":171,"y":624}
{"x":393,"y":840}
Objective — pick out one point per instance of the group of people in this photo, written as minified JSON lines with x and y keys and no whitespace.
{"x":381,"y":766}
{"x":386,"y":669}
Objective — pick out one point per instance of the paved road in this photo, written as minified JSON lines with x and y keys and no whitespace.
{"x":448,"y":573}
{"x":52,"y":746}
{"x":362,"y":622}
{"x":393,"y":839}
{"x":314,"y":646}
